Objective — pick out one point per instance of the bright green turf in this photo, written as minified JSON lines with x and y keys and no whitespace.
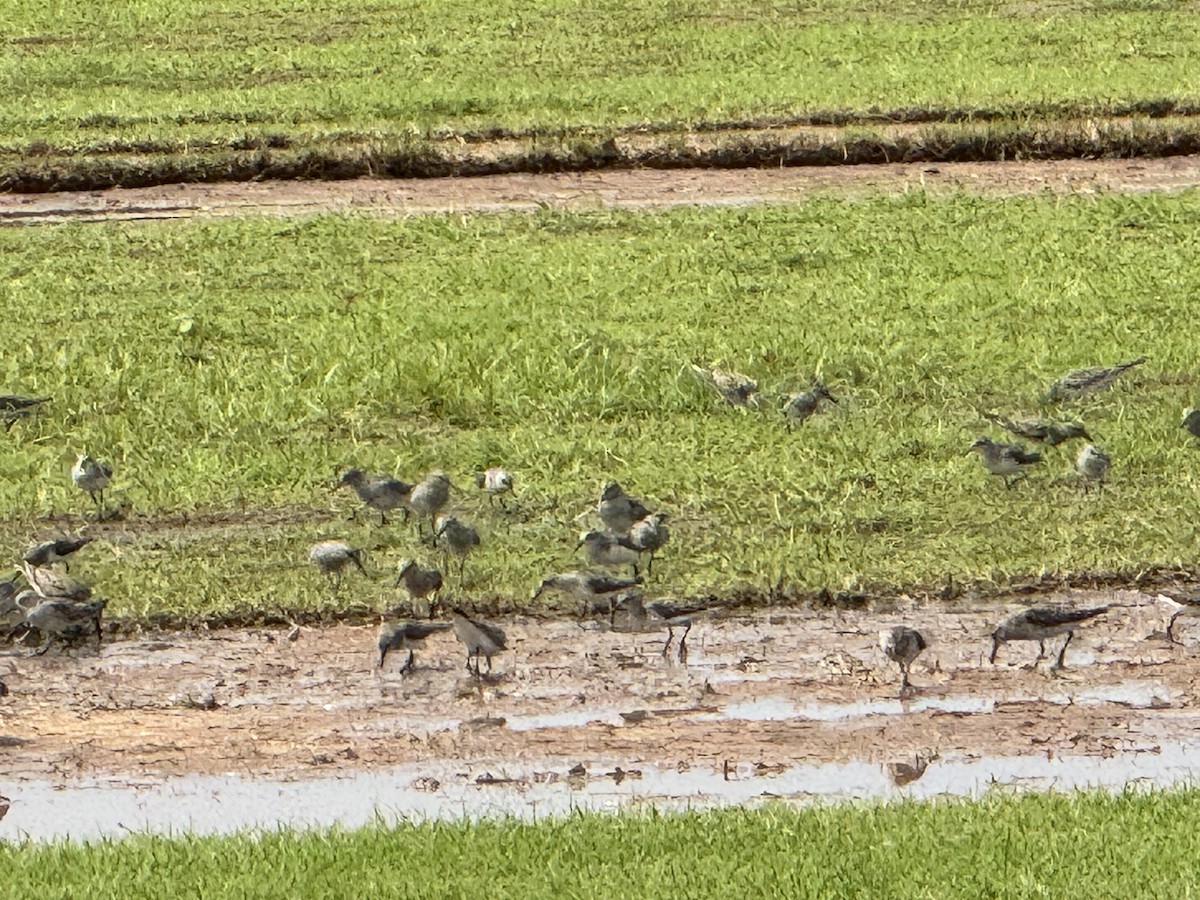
{"x":1086,"y":846}
{"x":239,"y":363}
{"x":160,"y":71}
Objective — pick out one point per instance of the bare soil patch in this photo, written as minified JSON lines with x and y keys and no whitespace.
{"x":613,"y":188}
{"x":771,"y":689}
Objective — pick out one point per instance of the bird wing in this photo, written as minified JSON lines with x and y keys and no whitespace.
{"x":1019,"y":454}
{"x":601,"y":584}
{"x":1049,"y":618}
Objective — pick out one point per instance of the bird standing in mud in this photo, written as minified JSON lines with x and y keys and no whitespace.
{"x":636,"y":615}
{"x":799,"y":407}
{"x":379,"y":492}
{"x":902,"y":645}
{"x":397,"y":635}
{"x":92,"y":475}
{"x":330,"y":557}
{"x":1004,"y":460}
{"x":589,"y":589}
{"x":1078,"y":382}
{"x":479,"y":638}
{"x":1040,"y":624}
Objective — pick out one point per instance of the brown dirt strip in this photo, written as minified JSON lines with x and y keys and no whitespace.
{"x":614,"y":188}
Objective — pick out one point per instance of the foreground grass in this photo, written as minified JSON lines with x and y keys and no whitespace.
{"x":1088,"y":845}
{"x":143,"y":74}
{"x":237,"y":365}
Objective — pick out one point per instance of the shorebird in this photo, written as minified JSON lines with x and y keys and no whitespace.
{"x":1078,"y":382}
{"x":93,"y":476}
{"x":48,"y":552}
{"x":734,"y":388}
{"x":330,"y":557}
{"x":397,"y":635}
{"x":67,"y":620}
{"x":51,"y":584}
{"x":649,"y":535}
{"x":1191,"y":421}
{"x":1045,"y":431}
{"x":430,"y":496}
{"x":1187,"y":604}
{"x":662,"y":614}
{"x":459,"y":539}
{"x":902,"y":645}
{"x":418,"y":581}
{"x":1092,"y":465}
{"x":1004,"y":459}
{"x":799,"y":407}
{"x":495,"y":482}
{"x":13,"y":407}
{"x":479,"y":638}
{"x":618,"y":511}
{"x":379,"y":492}
{"x":1041,"y":623}
{"x":609,"y":550}
{"x":588,"y":588}
{"x":12,"y":612}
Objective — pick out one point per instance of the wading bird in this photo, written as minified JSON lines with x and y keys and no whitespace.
{"x":405,"y":635}
{"x":1078,"y":382}
{"x":1045,"y":431}
{"x":1004,"y":460}
{"x":1040,"y":624}
{"x":379,"y":492}
{"x":92,"y":475}
{"x":902,"y":645}
{"x":330,"y":557}
{"x":496,"y":483}
{"x":480,"y":639}
{"x":799,"y":407}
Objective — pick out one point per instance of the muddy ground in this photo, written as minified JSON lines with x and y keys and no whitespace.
{"x":631,"y":189}
{"x":768,"y":690}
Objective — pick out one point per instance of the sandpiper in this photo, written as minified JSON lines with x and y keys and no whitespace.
{"x":495,"y":482}
{"x":1191,"y":421}
{"x":48,"y":552}
{"x":799,"y":407}
{"x":1185,"y":604}
{"x":1078,"y":382}
{"x":51,"y":584}
{"x":458,"y":539}
{"x":589,"y":588}
{"x":93,"y":476}
{"x":418,"y":581}
{"x":397,"y":635}
{"x":661,"y":614}
{"x":1004,"y":459}
{"x":14,"y":406}
{"x":649,"y":535}
{"x":66,"y":620}
{"x":479,"y":638}
{"x":1041,"y":623}
{"x":380,"y":492}
{"x":609,"y":550}
{"x":618,"y":511}
{"x":734,"y":388}
{"x":330,"y":557}
{"x":1092,"y":465}
{"x":902,"y":645}
{"x":430,"y":496}
{"x":1046,"y":431}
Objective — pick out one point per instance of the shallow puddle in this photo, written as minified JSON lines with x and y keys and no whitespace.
{"x":43,"y":810}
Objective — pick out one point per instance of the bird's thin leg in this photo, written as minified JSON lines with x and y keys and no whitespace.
{"x":41,"y":651}
{"x":408,"y":664}
{"x":468,"y":660}
{"x":489,"y":659}
{"x":382,"y":518}
{"x":1063,"y":652}
{"x":670,"y":637}
{"x":650,"y":565}
{"x":683,"y":645}
{"x":462,"y":572}
{"x":1170,"y":627}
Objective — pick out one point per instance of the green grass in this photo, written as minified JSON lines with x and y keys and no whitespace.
{"x":1085,"y":845}
{"x":115,"y":74}
{"x":237,"y":364}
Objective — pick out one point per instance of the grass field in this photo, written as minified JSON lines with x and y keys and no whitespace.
{"x":237,"y":364}
{"x":181,"y":83}
{"x":1088,"y":845}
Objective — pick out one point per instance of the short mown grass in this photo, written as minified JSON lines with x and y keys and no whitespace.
{"x":236,"y":365}
{"x":1086,"y":845}
{"x":153,"y":76}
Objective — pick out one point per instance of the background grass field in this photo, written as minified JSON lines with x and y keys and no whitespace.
{"x":234,"y":366}
{"x":1088,"y":845}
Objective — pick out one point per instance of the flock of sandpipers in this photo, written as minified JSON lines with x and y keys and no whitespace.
{"x":61,"y":608}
